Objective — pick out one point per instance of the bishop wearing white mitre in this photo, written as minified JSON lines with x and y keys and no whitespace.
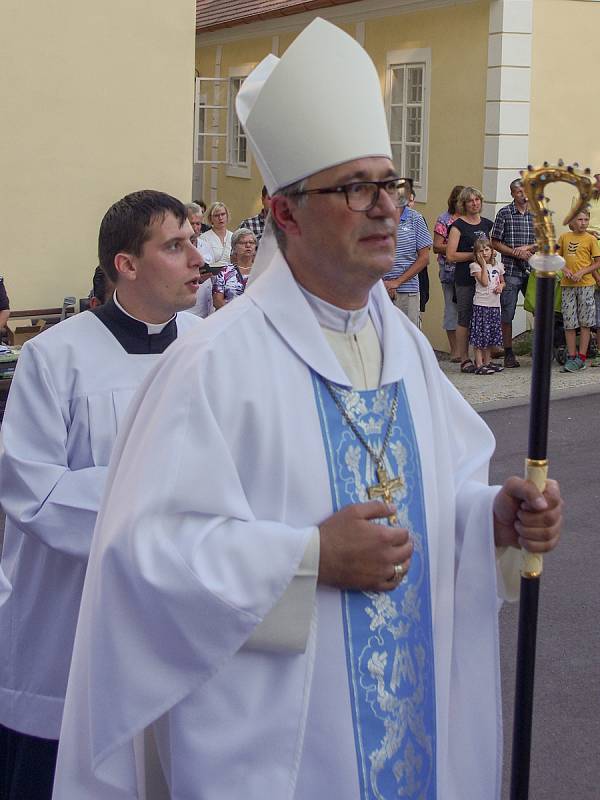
{"x":292,"y":592}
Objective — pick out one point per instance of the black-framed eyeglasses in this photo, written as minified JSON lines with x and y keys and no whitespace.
{"x":363,"y":195}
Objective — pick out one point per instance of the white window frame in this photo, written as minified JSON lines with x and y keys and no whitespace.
{"x":211,"y":119}
{"x":233,"y":169}
{"x":404,"y":58}
{"x":200,"y":101}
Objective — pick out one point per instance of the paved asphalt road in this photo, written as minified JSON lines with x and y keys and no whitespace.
{"x":566,"y":734}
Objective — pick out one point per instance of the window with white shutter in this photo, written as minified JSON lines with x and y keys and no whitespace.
{"x":407,"y":99}
{"x":211,"y":113}
{"x":239,"y":156}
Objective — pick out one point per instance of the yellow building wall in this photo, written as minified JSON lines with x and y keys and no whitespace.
{"x":458,"y":38}
{"x":97,"y":101}
{"x":565,"y":103}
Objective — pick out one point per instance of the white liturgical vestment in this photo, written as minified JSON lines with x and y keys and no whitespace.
{"x":71,"y":390}
{"x":212,"y":499}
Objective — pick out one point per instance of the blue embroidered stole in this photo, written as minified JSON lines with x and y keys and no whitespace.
{"x":389,"y":638}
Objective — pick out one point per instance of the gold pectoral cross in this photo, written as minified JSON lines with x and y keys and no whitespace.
{"x":384,"y":489}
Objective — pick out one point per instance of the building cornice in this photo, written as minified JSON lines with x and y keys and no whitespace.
{"x":347,"y":13}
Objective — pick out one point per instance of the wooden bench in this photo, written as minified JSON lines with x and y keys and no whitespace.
{"x":39,"y":318}
{"x":49,"y":315}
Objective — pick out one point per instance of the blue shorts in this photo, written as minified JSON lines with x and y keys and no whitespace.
{"x":510,"y":295}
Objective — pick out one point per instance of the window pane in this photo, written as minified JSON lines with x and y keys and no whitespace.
{"x":397,"y":157}
{"x":415,"y":84}
{"x":202,"y":152}
{"x":220,"y":94}
{"x":200,"y":155}
{"x":396,"y":124}
{"x":212,"y":147}
{"x":413,"y":124}
{"x":242,"y":149}
{"x":413,"y":162}
{"x":397,"y":84}
{"x":238,"y":143}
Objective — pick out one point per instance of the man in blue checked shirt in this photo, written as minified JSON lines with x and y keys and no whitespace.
{"x":413,"y":245}
{"x":257,"y":224}
{"x":513,"y":237}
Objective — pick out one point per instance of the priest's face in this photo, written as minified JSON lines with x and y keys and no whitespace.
{"x":335,"y":252}
{"x":165,"y":276}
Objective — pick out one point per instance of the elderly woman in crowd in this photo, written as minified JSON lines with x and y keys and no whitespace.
{"x":466,"y":228}
{"x":440,"y":241}
{"x":218,"y":237}
{"x":231,"y":281}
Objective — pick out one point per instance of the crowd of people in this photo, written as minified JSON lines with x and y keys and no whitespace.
{"x":227,"y":256}
{"x":483,"y":268}
{"x":459,"y":236}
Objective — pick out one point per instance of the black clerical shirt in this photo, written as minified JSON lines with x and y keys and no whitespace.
{"x":133,"y":335}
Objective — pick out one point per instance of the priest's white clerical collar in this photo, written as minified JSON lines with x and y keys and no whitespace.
{"x":334,"y":318}
{"x":152,"y":327}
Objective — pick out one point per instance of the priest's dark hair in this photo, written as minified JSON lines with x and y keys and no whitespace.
{"x":126,"y":225}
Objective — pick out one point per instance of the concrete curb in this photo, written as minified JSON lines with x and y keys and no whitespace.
{"x":559,"y":394}
{"x":512,"y":387}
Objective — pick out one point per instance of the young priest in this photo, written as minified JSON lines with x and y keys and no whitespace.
{"x":68,"y":398}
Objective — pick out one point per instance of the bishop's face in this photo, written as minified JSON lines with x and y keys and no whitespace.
{"x":167,"y":270}
{"x":338,"y":253}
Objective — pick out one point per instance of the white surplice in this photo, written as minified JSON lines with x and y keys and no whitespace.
{"x":213,"y":495}
{"x":70,"y":393}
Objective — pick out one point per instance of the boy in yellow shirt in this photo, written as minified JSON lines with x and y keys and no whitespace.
{"x":581,"y":251}
{"x":594,"y":227}
{"x":596,"y":361}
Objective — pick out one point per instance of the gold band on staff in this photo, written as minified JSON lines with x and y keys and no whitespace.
{"x":543,"y":274}
{"x":536,"y":471}
{"x":531,"y":575}
{"x":536,"y":462}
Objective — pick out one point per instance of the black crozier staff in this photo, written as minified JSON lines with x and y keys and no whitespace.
{"x":546,"y":264}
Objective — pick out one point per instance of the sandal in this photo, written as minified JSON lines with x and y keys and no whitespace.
{"x":495,"y":367}
{"x":468,"y":366}
{"x":484,"y":370}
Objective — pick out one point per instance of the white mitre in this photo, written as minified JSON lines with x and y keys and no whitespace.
{"x":317,"y":106}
